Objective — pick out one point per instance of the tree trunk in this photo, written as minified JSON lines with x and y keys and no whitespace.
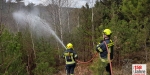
{"x":1,"y":10}
{"x":60,"y":21}
{"x":68,"y":17}
{"x":92,"y":26}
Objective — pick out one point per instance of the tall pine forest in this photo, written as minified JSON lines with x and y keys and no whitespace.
{"x":24,"y":51}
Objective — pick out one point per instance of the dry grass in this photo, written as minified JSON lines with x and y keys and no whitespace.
{"x":81,"y":69}
{"x":84,"y":69}
{"x":148,"y":68}
{"x":118,"y":71}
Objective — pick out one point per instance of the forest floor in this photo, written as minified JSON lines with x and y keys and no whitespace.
{"x":84,"y":69}
{"x":81,"y":69}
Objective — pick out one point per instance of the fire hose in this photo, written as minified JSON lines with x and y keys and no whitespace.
{"x":78,"y":61}
{"x":109,"y":58}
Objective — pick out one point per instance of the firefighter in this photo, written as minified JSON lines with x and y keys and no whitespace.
{"x":70,"y":55}
{"x":105,"y":49}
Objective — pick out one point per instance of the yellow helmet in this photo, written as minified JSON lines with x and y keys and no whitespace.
{"x":107,"y":32}
{"x":69,"y":45}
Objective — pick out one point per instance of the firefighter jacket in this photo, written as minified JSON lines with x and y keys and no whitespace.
{"x":70,"y":55}
{"x":102,"y":48}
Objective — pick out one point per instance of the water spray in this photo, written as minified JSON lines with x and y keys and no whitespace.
{"x":35,"y":23}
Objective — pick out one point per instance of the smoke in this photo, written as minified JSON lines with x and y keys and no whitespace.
{"x":37,"y":25}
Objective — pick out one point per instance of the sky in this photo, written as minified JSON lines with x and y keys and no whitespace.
{"x":80,"y":3}
{"x":74,"y":3}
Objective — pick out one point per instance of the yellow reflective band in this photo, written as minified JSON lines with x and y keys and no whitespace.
{"x":109,"y":50}
{"x":110,"y":44}
{"x":70,"y":62}
{"x":75,"y":56}
{"x":100,"y":49}
{"x":68,"y":54}
{"x":104,"y":60}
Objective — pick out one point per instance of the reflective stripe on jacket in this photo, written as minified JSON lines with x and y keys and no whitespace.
{"x":70,"y":55}
{"x":101,"y":48}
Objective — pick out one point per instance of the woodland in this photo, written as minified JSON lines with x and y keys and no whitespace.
{"x":33,"y":38}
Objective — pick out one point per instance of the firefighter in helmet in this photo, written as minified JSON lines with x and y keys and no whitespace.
{"x":70,"y":55}
{"x":105,"y":49}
